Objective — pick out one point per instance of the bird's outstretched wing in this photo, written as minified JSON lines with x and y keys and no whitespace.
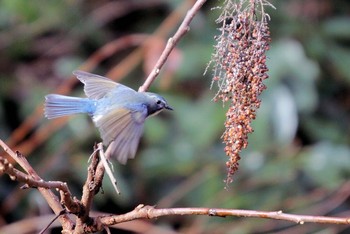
{"x":95,"y":86}
{"x":122,"y":129}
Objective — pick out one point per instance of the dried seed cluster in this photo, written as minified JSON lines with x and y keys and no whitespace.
{"x":239,"y":70}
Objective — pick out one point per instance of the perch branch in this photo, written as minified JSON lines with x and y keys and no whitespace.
{"x":182,"y":30}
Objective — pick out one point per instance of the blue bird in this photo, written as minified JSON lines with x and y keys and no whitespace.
{"x":118,"y":112}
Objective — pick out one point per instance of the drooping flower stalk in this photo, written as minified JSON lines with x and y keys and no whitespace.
{"x":239,"y":67}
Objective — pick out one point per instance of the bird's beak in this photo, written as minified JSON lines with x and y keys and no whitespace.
{"x":168,"y":107}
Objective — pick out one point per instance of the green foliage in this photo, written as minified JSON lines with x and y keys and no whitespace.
{"x":327,"y":164}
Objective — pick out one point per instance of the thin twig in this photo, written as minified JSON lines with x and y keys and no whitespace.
{"x":107,"y":167}
{"x":182,"y":30}
{"x":52,"y":221}
{"x":134,"y":58}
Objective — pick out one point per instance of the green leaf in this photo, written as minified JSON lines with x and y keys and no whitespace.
{"x":337,"y":27}
{"x":340,"y":59}
{"x":327,"y":164}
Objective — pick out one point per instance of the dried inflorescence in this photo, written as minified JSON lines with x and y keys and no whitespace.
{"x":239,"y":70}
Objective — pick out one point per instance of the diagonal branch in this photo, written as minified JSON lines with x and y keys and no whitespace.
{"x":182,"y":30}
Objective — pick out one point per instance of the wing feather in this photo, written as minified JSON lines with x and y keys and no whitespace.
{"x":95,"y":86}
{"x":123,"y":128}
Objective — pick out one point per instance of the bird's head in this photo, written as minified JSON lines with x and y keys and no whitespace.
{"x":156,"y":103}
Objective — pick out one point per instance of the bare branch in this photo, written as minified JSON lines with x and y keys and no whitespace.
{"x":49,"y":196}
{"x":150,"y":212}
{"x":182,"y":30}
{"x":66,"y":196}
{"x":91,"y":187}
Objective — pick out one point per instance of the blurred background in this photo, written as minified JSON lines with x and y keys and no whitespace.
{"x":297,"y":160}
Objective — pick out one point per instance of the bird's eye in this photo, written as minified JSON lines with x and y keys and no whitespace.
{"x":159,"y":102}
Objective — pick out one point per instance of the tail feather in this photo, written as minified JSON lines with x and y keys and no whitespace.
{"x":59,"y":105}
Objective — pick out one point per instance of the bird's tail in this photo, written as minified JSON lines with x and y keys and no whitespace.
{"x":59,"y":105}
